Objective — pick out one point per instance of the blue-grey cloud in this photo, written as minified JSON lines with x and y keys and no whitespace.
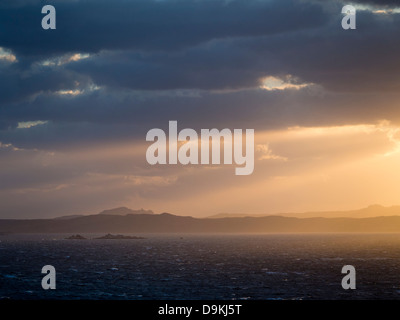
{"x":95,"y":25}
{"x":173,"y":59}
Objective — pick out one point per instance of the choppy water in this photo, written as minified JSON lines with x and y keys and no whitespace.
{"x":201,"y":267}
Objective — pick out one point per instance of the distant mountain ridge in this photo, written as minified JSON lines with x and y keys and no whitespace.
{"x":123,"y":211}
{"x":168,"y":223}
{"x":375,"y":210}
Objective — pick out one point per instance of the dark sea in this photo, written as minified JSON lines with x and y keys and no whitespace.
{"x":191,"y":267}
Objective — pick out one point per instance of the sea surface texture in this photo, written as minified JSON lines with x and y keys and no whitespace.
{"x":229,"y":267}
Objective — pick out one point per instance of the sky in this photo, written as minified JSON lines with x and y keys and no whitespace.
{"x":77,"y":102}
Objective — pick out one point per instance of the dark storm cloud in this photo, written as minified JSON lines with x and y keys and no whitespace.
{"x":255,"y":43}
{"x":363,"y":60}
{"x":91,"y":26}
{"x":159,"y":61}
{"x":105,"y":117}
{"x":380,"y":3}
{"x":18,"y":84}
{"x":219,"y":65}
